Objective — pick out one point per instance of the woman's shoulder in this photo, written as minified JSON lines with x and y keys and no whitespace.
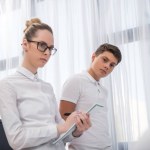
{"x":8,"y":78}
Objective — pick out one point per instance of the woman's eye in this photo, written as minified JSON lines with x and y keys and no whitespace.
{"x":43,"y":45}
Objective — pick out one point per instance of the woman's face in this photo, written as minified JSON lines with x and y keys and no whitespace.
{"x":33,"y":57}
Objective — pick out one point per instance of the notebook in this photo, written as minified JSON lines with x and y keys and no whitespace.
{"x":73,"y":127}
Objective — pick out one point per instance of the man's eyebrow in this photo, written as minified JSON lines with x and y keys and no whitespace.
{"x":105,"y":57}
{"x":109,"y":60}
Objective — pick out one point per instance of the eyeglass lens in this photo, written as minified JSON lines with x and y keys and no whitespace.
{"x":42,"y":46}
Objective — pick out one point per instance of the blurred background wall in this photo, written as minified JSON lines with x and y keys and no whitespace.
{"x":80,"y":26}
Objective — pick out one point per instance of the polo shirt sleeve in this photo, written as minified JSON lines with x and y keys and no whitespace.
{"x":71,"y":90}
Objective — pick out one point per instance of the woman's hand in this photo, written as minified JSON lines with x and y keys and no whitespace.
{"x":68,"y":123}
{"x":83,"y":123}
{"x":81,"y":120}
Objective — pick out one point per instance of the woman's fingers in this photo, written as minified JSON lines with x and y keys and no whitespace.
{"x":83,"y":121}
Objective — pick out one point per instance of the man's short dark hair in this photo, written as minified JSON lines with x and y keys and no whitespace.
{"x":110,"y":48}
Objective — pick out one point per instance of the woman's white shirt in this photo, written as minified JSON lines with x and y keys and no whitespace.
{"x":29,"y":112}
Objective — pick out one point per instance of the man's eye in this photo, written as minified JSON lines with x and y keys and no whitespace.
{"x":112,"y":65}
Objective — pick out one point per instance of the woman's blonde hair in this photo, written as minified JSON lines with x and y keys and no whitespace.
{"x":32,"y":26}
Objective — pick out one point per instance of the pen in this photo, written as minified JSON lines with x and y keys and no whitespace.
{"x":67,"y":114}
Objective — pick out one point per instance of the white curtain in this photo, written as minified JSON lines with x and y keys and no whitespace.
{"x":80,"y":26}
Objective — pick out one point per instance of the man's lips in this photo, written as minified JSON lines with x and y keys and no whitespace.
{"x":104,"y":71}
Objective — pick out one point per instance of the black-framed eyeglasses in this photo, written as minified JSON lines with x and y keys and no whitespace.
{"x":42,"y":46}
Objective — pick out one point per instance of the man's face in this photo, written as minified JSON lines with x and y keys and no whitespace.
{"x":103,"y":64}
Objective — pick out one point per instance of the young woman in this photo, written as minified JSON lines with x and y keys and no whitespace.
{"x":28,"y":107}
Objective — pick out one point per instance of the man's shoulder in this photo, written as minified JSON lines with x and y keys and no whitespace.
{"x":75,"y":79}
{"x":78,"y":76}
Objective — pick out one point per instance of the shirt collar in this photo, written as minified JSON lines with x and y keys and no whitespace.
{"x":91,"y":78}
{"x":27,"y":73}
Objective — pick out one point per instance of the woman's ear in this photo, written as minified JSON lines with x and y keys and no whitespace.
{"x":25,"y":45}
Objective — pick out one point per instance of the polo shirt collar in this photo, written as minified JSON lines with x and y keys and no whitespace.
{"x":91,"y":78}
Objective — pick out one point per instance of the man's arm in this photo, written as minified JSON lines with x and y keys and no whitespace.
{"x":66,"y":107}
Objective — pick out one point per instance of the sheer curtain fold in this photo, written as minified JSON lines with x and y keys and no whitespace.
{"x":79,"y":28}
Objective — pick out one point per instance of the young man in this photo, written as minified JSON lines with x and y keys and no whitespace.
{"x":83,"y":90}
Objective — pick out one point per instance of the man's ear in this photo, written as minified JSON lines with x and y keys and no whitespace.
{"x":93,"y":56}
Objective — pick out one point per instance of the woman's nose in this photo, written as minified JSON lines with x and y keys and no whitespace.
{"x":47,"y":52}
